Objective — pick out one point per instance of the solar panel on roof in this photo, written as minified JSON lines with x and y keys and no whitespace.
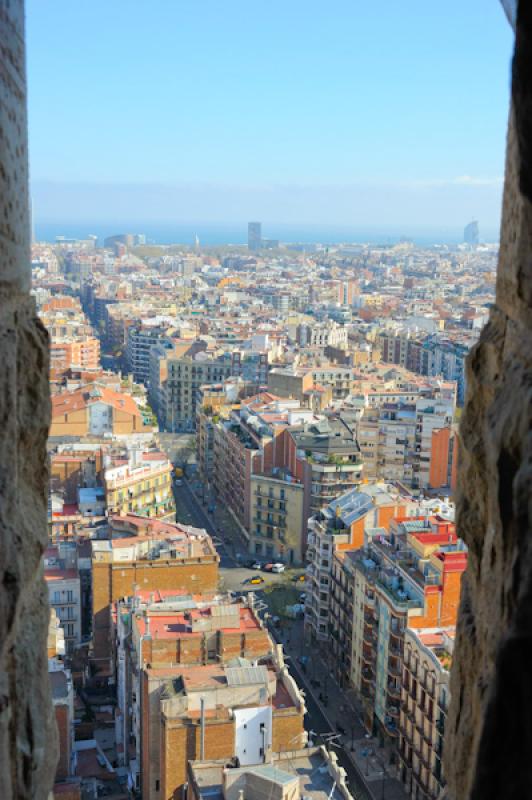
{"x":178,"y":598}
{"x":246,"y":676}
{"x":225,"y":610}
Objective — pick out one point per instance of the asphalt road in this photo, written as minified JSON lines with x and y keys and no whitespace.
{"x":233,"y":576}
{"x":192,"y":512}
{"x":316,"y":721}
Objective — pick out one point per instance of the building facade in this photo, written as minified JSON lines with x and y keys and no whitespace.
{"x":425,"y":701}
{"x":276,"y":522}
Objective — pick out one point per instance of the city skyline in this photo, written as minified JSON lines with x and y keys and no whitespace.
{"x":208,"y":124}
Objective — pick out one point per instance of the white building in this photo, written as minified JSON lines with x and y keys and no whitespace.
{"x":64,"y":591}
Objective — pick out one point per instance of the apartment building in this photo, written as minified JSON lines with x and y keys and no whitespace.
{"x":55,"y":640}
{"x":435,"y":451}
{"x":233,"y":452}
{"x":75,"y":465}
{"x":400,"y":347}
{"x":119,"y":317}
{"x":310,"y":458}
{"x":140,"y":339}
{"x":96,"y":410}
{"x":433,"y":354}
{"x":139,"y":481}
{"x":425,"y":698}
{"x":289,"y":383}
{"x":410,"y":441}
{"x":167,"y":629}
{"x":343,"y":524}
{"x":241,"y":713}
{"x":64,"y":595}
{"x":151,"y":555}
{"x":408,"y":578}
{"x":81,"y":352}
{"x":73,"y":344}
{"x":185,"y":377}
{"x":159,"y":354}
{"x":273,"y":445}
{"x":216,"y":402}
{"x":444,"y":356}
{"x":206,"y":421}
{"x":332,"y":454}
{"x":277,"y":517}
{"x":322,"y":335}
{"x":348,"y":291}
{"x":339,"y":378}
{"x":312,"y":772}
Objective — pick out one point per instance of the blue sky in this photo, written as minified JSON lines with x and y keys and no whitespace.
{"x":290,"y":110}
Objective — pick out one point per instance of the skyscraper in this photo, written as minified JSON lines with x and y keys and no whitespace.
{"x":471,"y":233}
{"x":254,"y":235}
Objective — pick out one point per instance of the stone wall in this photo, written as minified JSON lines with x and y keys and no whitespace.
{"x":489,"y":733}
{"x":27,"y":729}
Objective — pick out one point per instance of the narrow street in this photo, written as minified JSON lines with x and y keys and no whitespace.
{"x":191,"y":511}
{"x":327,"y":708}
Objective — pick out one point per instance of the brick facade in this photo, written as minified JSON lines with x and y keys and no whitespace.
{"x":112,"y":581}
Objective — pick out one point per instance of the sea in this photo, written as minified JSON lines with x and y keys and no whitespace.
{"x":215,"y":234}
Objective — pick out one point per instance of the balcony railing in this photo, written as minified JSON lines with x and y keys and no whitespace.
{"x":394,"y":691}
{"x":394,"y":670}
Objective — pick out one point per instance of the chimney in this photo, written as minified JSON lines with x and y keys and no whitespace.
{"x":147,"y":633}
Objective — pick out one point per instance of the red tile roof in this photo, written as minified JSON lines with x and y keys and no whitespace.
{"x":67,"y":402}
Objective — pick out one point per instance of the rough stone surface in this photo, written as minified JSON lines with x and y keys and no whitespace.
{"x":488,"y":749}
{"x":27,"y":728}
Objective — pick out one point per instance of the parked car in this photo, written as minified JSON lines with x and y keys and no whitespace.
{"x":278,"y":568}
{"x":255,"y":579}
{"x":267,"y":567}
{"x":302,"y":597}
{"x":299,"y":578}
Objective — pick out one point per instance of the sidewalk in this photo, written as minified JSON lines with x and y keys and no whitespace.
{"x":223,"y":521}
{"x":342,"y":709}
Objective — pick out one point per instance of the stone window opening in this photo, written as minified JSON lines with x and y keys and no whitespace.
{"x":487,"y":750}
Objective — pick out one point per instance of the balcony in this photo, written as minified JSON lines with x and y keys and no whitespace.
{"x":368,"y":658}
{"x":394,"y":670}
{"x":395,"y":651}
{"x":398,"y":599}
{"x":397,"y":636}
{"x":429,"y":686}
{"x":394,"y":691}
{"x":367,"y":635}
